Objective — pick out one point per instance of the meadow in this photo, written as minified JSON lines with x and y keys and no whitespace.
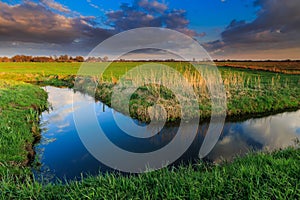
{"x":287,"y":67}
{"x":271,"y":175}
{"x":249,"y":92}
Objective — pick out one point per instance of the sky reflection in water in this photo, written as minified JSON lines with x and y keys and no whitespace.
{"x":63,"y":155}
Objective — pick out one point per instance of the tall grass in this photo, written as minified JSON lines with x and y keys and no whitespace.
{"x":248,"y":92}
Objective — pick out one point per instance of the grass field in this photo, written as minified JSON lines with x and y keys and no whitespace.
{"x":257,"y":176}
{"x":287,"y":67}
{"x":249,"y":92}
{"x":51,"y":68}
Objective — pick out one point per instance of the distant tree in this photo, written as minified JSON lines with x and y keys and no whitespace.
{"x":21,"y":58}
{"x":105,"y":58}
{"x":43,"y":59}
{"x":24,"y":58}
{"x":94,"y":59}
{"x":16,"y":58}
{"x":63,"y":58}
{"x":4,"y":59}
{"x":79,"y":59}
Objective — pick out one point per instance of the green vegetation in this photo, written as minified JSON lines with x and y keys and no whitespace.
{"x":20,"y":107}
{"x":249,"y":92}
{"x":32,"y":68}
{"x":286,"y":67}
{"x":258,"y":176}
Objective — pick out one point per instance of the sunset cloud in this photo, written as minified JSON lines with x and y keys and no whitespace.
{"x":34,"y":23}
{"x":50,"y":24}
{"x":270,"y":31}
{"x":276,"y":27}
{"x":56,"y":6}
{"x":152,"y":6}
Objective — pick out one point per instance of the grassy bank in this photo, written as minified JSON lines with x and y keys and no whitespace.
{"x":257,"y":176}
{"x":20,"y":107}
{"x":249,"y":92}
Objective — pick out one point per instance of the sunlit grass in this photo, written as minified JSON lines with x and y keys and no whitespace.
{"x":20,"y":106}
{"x":256,"y":176}
{"x":260,"y":176}
{"x":248,"y":92}
{"x":286,"y":67}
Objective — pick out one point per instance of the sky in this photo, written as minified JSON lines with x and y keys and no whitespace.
{"x":226,"y":29}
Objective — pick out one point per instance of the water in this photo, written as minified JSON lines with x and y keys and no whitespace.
{"x":63,"y":156}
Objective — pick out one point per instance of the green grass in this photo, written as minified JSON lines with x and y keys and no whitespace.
{"x":249,"y":92}
{"x":40,"y":68}
{"x":287,"y":67}
{"x":256,"y":176}
{"x":20,"y":107}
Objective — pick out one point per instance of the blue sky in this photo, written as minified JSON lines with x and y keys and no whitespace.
{"x":227,"y":29}
{"x":210,"y":16}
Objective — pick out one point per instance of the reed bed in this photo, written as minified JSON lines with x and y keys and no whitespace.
{"x":247,"y":92}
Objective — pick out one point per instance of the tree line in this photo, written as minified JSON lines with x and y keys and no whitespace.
{"x":24,"y":58}
{"x":67,"y":58}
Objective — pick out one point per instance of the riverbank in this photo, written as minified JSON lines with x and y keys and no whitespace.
{"x":249,"y":92}
{"x":260,"y":175}
{"x":20,"y":107}
{"x":257,"y":176}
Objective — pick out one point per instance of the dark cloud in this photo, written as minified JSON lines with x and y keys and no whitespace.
{"x":277,"y":26}
{"x":145,"y":13}
{"x":53,"y":26}
{"x":129,"y":18}
{"x":30,"y":22}
{"x":35,"y":23}
{"x":176,"y":19}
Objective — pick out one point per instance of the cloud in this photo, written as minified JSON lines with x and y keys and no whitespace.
{"x":146,"y":13}
{"x":34,"y":23}
{"x":152,"y":6}
{"x":94,"y":6}
{"x":277,"y":26}
{"x":48,"y":26}
{"x":274,"y":132}
{"x":268,"y":133}
{"x":56,"y":6}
